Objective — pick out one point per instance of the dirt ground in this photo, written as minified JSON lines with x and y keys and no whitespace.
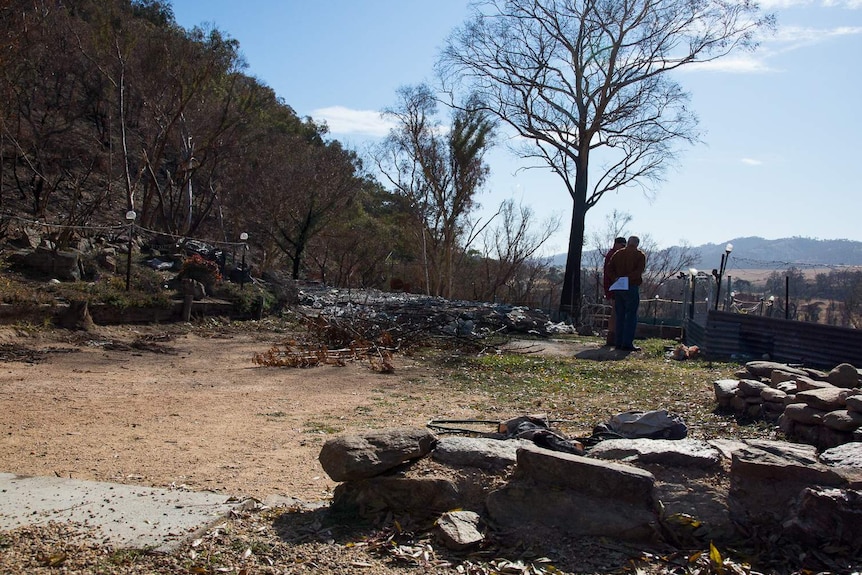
{"x":160,"y":407}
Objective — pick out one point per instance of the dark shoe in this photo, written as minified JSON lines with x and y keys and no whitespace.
{"x":631,"y":348}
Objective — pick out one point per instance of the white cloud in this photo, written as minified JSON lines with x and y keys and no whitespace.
{"x":344,"y":121}
{"x":751,"y":162}
{"x":742,"y":64}
{"x":784,"y":4}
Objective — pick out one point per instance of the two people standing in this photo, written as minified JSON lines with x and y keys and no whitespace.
{"x":624,"y":276}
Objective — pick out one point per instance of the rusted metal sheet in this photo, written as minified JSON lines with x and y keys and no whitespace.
{"x":740,"y":336}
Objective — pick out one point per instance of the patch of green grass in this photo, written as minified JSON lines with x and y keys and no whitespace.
{"x":585,"y":392}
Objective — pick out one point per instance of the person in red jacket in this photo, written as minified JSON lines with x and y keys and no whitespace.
{"x":628,"y":263}
{"x":619,"y":243}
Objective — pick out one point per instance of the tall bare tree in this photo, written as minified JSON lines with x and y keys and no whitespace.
{"x":576,"y":77}
{"x":439,"y":172}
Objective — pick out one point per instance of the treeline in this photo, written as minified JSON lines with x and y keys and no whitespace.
{"x":109,"y":106}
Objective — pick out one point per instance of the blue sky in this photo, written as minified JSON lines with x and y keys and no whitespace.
{"x":781,"y":127}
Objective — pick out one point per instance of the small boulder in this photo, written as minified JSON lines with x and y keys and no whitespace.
{"x":827,"y":399}
{"x":844,"y":375}
{"x":352,"y":457}
{"x":459,"y":530}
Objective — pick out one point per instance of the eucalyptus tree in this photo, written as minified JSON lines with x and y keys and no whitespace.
{"x":574,"y":78}
{"x":439,"y":171}
{"x":50,"y":155}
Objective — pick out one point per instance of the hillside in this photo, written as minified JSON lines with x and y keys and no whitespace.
{"x":762,"y":254}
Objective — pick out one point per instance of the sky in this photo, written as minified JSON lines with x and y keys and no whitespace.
{"x":780,"y":128}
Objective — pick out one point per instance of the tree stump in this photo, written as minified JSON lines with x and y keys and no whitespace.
{"x":77,"y":317}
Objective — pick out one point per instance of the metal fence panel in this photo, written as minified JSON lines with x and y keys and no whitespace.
{"x":741,"y":336}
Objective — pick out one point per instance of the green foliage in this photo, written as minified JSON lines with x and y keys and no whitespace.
{"x":247,"y":299}
{"x":145,"y":290}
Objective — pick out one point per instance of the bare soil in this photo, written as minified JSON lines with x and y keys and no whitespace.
{"x":171,"y":407}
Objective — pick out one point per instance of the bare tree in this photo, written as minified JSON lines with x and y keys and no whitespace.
{"x":578,"y":76}
{"x":509,"y":247}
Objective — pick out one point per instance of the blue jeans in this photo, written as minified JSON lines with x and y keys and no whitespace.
{"x":626,"y":303}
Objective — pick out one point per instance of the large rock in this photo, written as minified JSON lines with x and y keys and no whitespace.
{"x":804,"y":414}
{"x":846,"y":455}
{"x":827,"y":398}
{"x":765,"y":368}
{"x":61,"y":265}
{"x":844,"y":375}
{"x":827,"y":517}
{"x":352,"y":457}
{"x":480,"y":452}
{"x":767,"y":478}
{"x":419,"y":497}
{"x":806,"y":383}
{"x":751,"y":387}
{"x":843,"y":420}
{"x":576,"y":496}
{"x":676,"y":453}
{"x":725,"y":390}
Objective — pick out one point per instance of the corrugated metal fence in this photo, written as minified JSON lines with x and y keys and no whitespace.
{"x":741,"y":336}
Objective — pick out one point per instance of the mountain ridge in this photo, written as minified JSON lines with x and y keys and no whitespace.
{"x":754,"y":252}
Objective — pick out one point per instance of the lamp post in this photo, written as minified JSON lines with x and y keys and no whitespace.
{"x":655,"y":309}
{"x":243,"y":238}
{"x":724,"y":257}
{"x":692,"y":274}
{"x":130,"y":217}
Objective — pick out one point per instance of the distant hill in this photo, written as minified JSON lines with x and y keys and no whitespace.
{"x":759,"y":253}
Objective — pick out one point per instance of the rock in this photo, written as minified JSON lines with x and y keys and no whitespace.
{"x":725,"y":390}
{"x":844,"y":375}
{"x":771,"y":409}
{"x":751,"y":388}
{"x":827,"y":517}
{"x":804,"y":413}
{"x":846,"y":455}
{"x":786,"y":425}
{"x":806,"y":383}
{"x":842,"y":420}
{"x":788,"y":387}
{"x":676,"y":453}
{"x":352,"y":457}
{"x":489,"y":454}
{"x":585,"y":475}
{"x":773,"y":395}
{"x":827,"y":399}
{"x":459,"y":530}
{"x":765,"y":368}
{"x":421,"y":497}
{"x":780,"y":376}
{"x":828,"y":438}
{"x":815,"y":373}
{"x":854,"y":402}
{"x":63,"y":265}
{"x":768,"y":476}
{"x":576,"y":496}
{"x":727,"y":446}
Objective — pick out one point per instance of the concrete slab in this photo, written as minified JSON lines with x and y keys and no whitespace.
{"x":125,"y":516}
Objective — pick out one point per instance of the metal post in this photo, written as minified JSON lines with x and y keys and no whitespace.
{"x":786,"y":297}
{"x":130,"y":217}
{"x":243,"y":237}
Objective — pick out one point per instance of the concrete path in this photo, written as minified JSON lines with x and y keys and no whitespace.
{"x":125,"y":516}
